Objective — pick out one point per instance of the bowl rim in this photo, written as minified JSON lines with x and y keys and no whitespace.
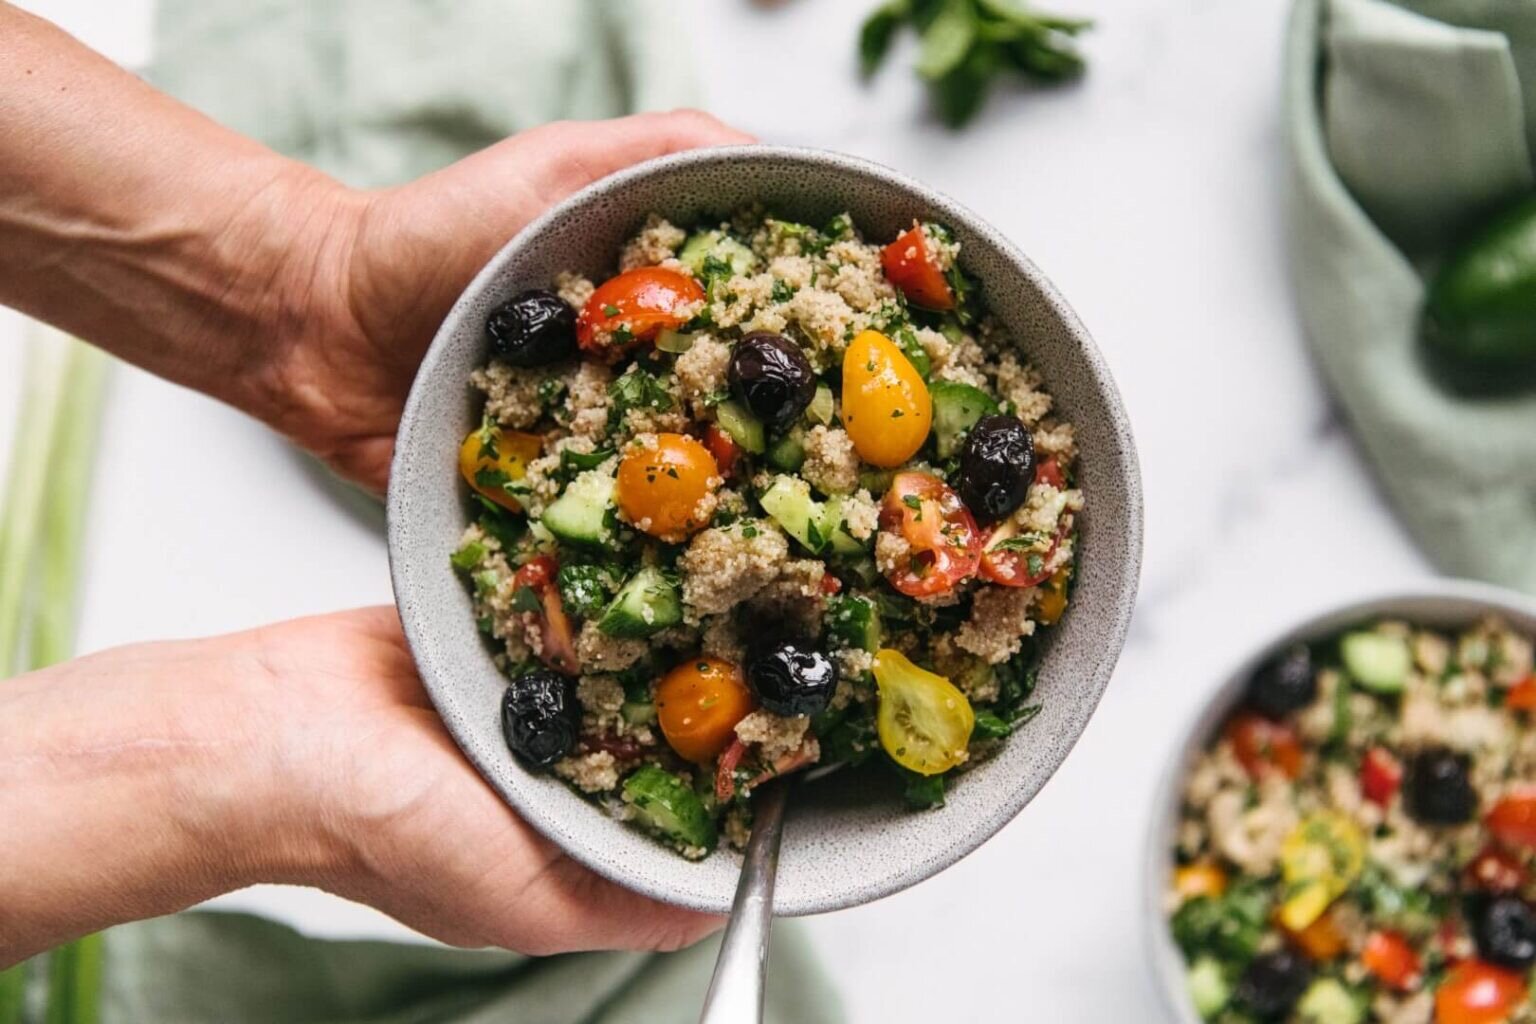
{"x":1114,"y":628}
{"x":1163,"y":957}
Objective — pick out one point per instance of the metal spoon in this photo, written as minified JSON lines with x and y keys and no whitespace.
{"x":741,"y":968}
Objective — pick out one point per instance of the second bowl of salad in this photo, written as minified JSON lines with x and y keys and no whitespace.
{"x":751,"y":461}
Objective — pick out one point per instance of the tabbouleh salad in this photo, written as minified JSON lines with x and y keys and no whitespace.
{"x":1357,"y":843}
{"x":769,"y":496}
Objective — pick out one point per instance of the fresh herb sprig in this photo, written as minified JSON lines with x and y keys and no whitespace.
{"x":967,"y":44}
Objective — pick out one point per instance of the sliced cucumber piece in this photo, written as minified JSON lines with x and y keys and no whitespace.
{"x":665,"y":805}
{"x":1328,"y":1001}
{"x":822,"y":406}
{"x":744,"y":428}
{"x":876,"y":481}
{"x":703,"y":244}
{"x":787,"y":452}
{"x":834,"y":522}
{"x":670,"y":339}
{"x":956,"y":408}
{"x":1377,"y":661}
{"x":638,"y":713}
{"x":854,"y":622}
{"x":582,"y":514}
{"x":818,"y":526}
{"x":648,"y":603}
{"x":1208,"y":988}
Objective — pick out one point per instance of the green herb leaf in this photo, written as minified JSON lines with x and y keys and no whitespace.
{"x":525,"y":600}
{"x":877,"y":32}
{"x":947,"y":40}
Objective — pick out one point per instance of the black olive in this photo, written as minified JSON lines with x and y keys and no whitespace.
{"x":540,"y":717}
{"x":772,"y":377}
{"x":1286,"y":682}
{"x":1504,"y":928}
{"x":1271,"y":985}
{"x":1438,"y":790}
{"x":791,"y":677}
{"x":997,"y":466}
{"x":535,"y":328}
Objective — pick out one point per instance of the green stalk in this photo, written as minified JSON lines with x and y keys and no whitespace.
{"x":74,"y":982}
{"x":13,"y":991}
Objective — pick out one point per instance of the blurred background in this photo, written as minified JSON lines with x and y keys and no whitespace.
{"x":1150,"y":192}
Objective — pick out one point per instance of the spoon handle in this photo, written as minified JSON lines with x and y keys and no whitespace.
{"x":736,"y":990}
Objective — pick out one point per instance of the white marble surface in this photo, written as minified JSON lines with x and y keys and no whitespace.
{"x":1149,"y":193}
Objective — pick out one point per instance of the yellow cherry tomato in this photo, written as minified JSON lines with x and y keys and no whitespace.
{"x":1319,"y":861}
{"x":667,"y":490}
{"x":924,"y":721}
{"x":1053,"y":597}
{"x":1199,"y":879}
{"x":698,"y":704}
{"x":490,"y":458}
{"x":887,"y":410}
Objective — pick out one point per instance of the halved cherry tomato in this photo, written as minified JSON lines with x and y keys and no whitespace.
{"x":1494,"y":870}
{"x":1380,"y":776}
{"x":830,"y":584}
{"x":1010,"y":567}
{"x":725,"y":769}
{"x":1052,"y":602}
{"x":940,"y":530}
{"x":887,"y":410}
{"x":725,"y":450}
{"x":924,"y":721}
{"x":1262,"y":745}
{"x":1522,"y":696}
{"x":1513,"y":819}
{"x":633,"y":307}
{"x":1320,"y":940}
{"x":1048,"y":471}
{"x":665,"y":490}
{"x":1201,"y":878}
{"x":698,"y":704}
{"x":910,"y":267}
{"x":490,"y":458}
{"x":549,"y":629}
{"x":1475,"y":992}
{"x":1389,"y":956}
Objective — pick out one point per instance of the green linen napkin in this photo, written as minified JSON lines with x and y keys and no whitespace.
{"x":377,"y":92}
{"x":218,"y":968}
{"x":1407,"y":125}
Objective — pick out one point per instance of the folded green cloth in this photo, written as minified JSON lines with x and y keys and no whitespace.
{"x":377,"y":92}
{"x":1408,"y":124}
{"x":217,"y":968}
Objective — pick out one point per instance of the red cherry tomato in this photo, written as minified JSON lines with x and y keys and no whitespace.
{"x":1513,"y":819}
{"x":1012,"y":568}
{"x":1477,"y":993}
{"x":1522,"y":696}
{"x":931,"y":518}
{"x":726,"y":451}
{"x":1262,"y":745}
{"x":830,"y":584}
{"x":910,"y":268}
{"x":1380,"y":776}
{"x":1496,"y":871}
{"x":1048,"y":471}
{"x":1389,"y":956}
{"x":557,"y":645}
{"x":634,"y":307}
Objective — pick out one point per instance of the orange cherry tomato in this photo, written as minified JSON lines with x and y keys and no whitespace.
{"x":1474,"y":992}
{"x":1199,"y":879}
{"x":556,"y":643}
{"x":887,"y":410}
{"x":666,"y":490}
{"x":1389,"y":956}
{"x":1513,"y":819}
{"x":1262,"y":745}
{"x":725,"y":450}
{"x":1494,"y":870}
{"x":698,"y":704}
{"x":1380,"y":776}
{"x":1522,"y":696}
{"x":911,"y":268}
{"x":491,"y":457}
{"x":941,"y":532}
{"x":1320,"y":940}
{"x":633,"y":307}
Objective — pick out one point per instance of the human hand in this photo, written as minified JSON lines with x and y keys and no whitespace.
{"x":397,"y":259}
{"x":144,"y":779}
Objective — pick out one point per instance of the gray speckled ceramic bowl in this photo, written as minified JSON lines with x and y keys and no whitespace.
{"x":1448,"y":604}
{"x":848,"y":840}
